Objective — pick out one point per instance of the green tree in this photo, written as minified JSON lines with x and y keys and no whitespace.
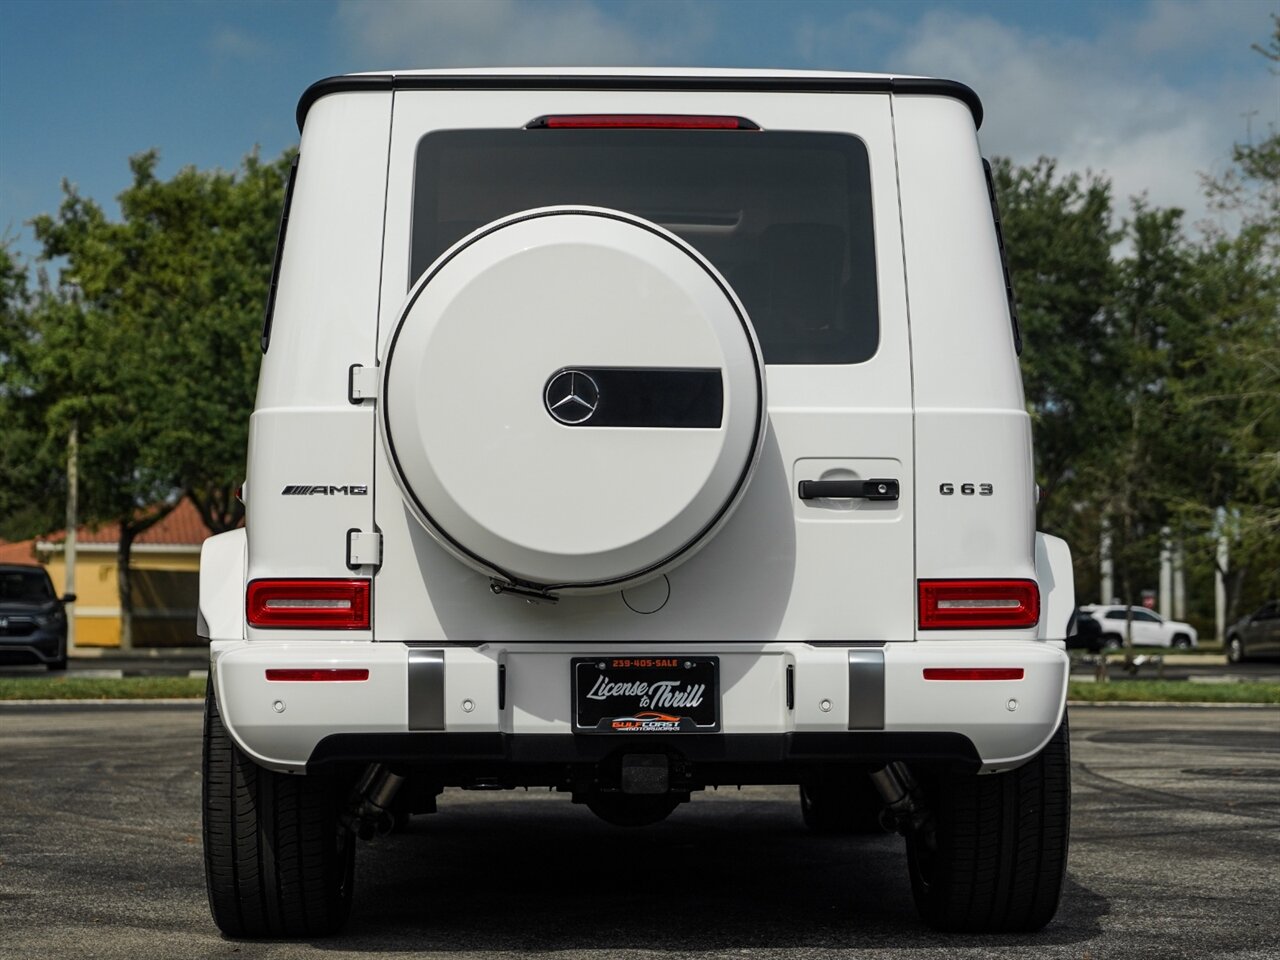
{"x":1231,"y":387}
{"x":208,"y":244}
{"x":1234,"y":388}
{"x":1059,"y":235}
{"x":147,"y":346}
{"x":1156,"y":326}
{"x":26,"y":462}
{"x":1153,"y":378}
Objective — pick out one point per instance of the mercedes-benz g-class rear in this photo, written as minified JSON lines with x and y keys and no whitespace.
{"x":631,"y":433}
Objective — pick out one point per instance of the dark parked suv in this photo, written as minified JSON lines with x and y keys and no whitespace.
{"x":1257,"y":635}
{"x":33,"y":624}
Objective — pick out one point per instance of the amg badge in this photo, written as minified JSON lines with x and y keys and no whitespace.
{"x":310,"y":490}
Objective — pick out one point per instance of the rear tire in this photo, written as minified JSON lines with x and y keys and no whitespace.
{"x":1182,"y":642}
{"x":277,"y":863}
{"x":849,"y":805}
{"x":1112,"y":641}
{"x":1001,"y":851}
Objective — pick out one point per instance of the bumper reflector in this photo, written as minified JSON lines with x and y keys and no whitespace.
{"x":326,"y":673}
{"x":320,"y":604}
{"x":978,"y":604}
{"x":974,"y":673}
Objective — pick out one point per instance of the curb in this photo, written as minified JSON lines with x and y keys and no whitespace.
{"x":147,"y":673}
{"x":103,"y":701}
{"x":1200,"y":704}
{"x":146,"y":653}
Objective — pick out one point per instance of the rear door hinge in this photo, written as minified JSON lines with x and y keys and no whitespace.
{"x":364,"y":549}
{"x":362,"y":383}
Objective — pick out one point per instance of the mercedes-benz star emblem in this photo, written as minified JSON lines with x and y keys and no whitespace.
{"x":572,"y":397}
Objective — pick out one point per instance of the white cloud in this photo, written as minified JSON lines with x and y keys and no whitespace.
{"x":1173,"y":26}
{"x":494,"y":33}
{"x":236,"y":45}
{"x":1134,"y":102}
{"x":1151,"y":96}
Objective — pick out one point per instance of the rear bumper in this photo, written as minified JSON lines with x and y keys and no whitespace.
{"x":520,"y":759}
{"x":781,"y":703}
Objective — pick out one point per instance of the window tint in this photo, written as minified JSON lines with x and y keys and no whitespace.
{"x":1004,"y":257}
{"x":1116,"y":615}
{"x":1145,"y":616}
{"x":785,"y":217}
{"x":25,"y":586}
{"x":270,"y":312}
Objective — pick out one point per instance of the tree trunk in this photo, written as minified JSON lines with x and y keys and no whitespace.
{"x":1235,"y":586}
{"x":124,"y":547}
{"x":219,"y":507}
{"x":73,"y":522}
{"x":130,"y":529}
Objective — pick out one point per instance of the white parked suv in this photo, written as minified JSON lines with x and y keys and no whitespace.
{"x":1149,"y":628}
{"x":630,"y":433}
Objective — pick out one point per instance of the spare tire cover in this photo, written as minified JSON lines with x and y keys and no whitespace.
{"x":572,"y":398}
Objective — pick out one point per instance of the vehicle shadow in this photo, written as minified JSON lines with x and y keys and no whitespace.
{"x":510,"y":874}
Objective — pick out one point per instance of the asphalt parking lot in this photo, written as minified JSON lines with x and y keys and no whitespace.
{"x":1175,"y":840}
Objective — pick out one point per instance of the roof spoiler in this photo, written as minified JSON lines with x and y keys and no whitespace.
{"x":910,"y":86}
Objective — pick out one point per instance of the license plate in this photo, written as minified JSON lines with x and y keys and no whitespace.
{"x":658,"y":694}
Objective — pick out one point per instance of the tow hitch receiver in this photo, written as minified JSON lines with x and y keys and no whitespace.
{"x":646,"y":773}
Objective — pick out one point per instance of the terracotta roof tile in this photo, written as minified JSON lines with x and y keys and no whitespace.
{"x":23,"y":552}
{"x":182,"y":527}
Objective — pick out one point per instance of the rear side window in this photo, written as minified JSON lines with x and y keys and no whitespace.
{"x":1004,"y":257}
{"x":270,"y":313}
{"x":785,"y":217}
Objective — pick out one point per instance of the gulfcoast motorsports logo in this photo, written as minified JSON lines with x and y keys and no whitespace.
{"x":572,"y":397}
{"x":646,"y":723}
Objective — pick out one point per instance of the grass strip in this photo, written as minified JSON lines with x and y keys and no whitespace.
{"x":100,"y":688}
{"x":1173,"y":691}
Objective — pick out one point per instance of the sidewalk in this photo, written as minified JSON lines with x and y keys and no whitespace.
{"x":149,"y":653}
{"x":162,"y":662}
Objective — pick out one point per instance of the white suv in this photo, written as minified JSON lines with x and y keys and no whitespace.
{"x":1149,"y":629}
{"x":630,"y":433}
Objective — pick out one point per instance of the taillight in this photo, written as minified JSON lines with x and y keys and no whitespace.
{"x":639,"y":121}
{"x":347,"y":674}
{"x":323,"y":604}
{"x":978,"y":604}
{"x":974,"y":673}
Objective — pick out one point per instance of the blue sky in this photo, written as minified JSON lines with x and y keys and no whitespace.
{"x":1150,"y":93}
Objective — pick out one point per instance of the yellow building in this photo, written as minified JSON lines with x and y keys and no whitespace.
{"x":164,"y":566}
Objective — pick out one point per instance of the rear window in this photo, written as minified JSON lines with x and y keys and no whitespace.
{"x":785,"y":217}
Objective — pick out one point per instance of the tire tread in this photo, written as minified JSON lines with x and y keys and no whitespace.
{"x":275,"y":865}
{"x":1002,"y":846}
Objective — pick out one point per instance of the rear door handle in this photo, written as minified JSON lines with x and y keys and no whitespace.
{"x":849,"y":489}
